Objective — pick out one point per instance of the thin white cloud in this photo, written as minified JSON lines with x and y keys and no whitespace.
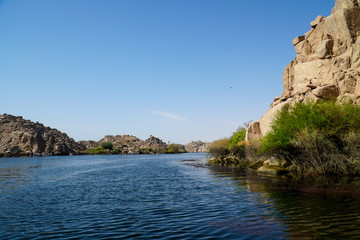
{"x":169,"y":116}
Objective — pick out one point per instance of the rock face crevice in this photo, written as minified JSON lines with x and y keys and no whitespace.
{"x":327,"y":65}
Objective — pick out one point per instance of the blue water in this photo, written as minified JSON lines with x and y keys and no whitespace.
{"x":161,"y":197}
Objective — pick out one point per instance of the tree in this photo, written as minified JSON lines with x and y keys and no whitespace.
{"x":107,"y":145}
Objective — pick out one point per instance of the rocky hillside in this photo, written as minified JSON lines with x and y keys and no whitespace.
{"x":327,"y":64}
{"x":154,"y":143}
{"x":197,"y":146}
{"x":128,"y":143}
{"x":19,"y":137}
{"x":121,"y":140}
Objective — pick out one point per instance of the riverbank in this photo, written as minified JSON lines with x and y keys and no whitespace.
{"x":320,"y":138}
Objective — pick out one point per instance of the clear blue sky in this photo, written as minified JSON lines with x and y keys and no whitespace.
{"x":180,"y":70}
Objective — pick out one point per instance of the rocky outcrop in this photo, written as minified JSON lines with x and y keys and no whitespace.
{"x":122,"y":141}
{"x":89,"y":144}
{"x":20,"y":137}
{"x":197,"y":146}
{"x":154,"y":143}
{"x":327,"y":65}
{"x":130,"y":144}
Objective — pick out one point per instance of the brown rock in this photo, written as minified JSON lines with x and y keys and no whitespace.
{"x":303,"y":48}
{"x":24,"y":137}
{"x":298,"y":40}
{"x":318,"y":19}
{"x":340,"y":4}
{"x":328,"y":91}
{"x":324,"y":49}
{"x":272,"y":170}
{"x":197,"y":146}
{"x":253,"y":132}
{"x":347,"y":86}
{"x":312,"y":86}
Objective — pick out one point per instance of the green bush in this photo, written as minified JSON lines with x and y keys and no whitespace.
{"x":95,"y":151}
{"x":317,"y":138}
{"x":230,"y":151}
{"x":236,"y":138}
{"x":107,"y":145}
{"x":175,"y":148}
{"x":117,"y":151}
{"x":219,"y":148}
{"x":327,"y":118}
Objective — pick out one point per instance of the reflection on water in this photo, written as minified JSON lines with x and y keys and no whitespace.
{"x":310,"y":208}
{"x":167,"y":197}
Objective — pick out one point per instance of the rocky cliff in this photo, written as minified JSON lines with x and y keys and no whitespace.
{"x":197,"y":146}
{"x":154,"y":143}
{"x":20,"y":137}
{"x":327,"y":64}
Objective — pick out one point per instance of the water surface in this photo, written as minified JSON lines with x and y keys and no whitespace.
{"x":164,"y":197}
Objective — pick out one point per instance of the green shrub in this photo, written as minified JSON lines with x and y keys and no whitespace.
{"x":117,"y":151}
{"x":147,"y":150}
{"x":230,"y":151}
{"x":236,"y":138}
{"x":327,"y":118}
{"x":107,"y":145}
{"x":175,"y":148}
{"x":95,"y":151}
{"x":219,"y":148}
{"x":317,"y":138}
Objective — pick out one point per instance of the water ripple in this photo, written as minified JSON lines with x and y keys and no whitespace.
{"x":160,"y":197}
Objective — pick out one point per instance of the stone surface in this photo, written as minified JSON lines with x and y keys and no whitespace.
{"x":274,"y":161}
{"x":340,"y":4}
{"x":298,"y":40}
{"x":318,"y":20}
{"x":272,"y":170}
{"x":253,"y":132}
{"x":24,"y":137}
{"x":327,"y":64}
{"x":327,"y":91}
{"x":324,"y":49}
{"x":256,"y":165}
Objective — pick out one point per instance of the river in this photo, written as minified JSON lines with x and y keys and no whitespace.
{"x":165,"y":197}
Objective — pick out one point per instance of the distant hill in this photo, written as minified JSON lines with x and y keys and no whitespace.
{"x":20,"y":137}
